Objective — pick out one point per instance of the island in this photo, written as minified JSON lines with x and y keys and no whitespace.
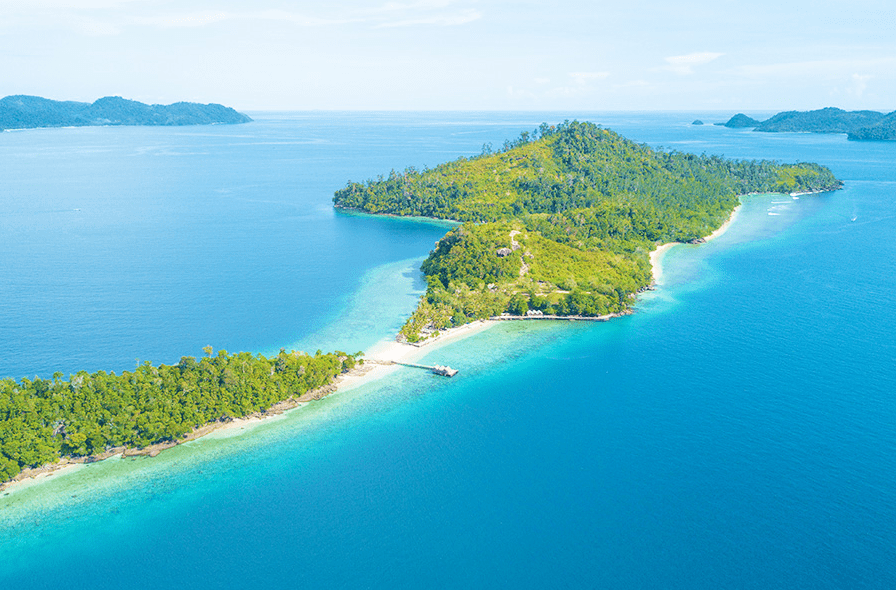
{"x":89,"y":417}
{"x":827,"y":120}
{"x":30,"y":112}
{"x":740,"y":121}
{"x":557,"y":224}
{"x":882,"y":130}
{"x":560,"y":221}
{"x":858,"y":125}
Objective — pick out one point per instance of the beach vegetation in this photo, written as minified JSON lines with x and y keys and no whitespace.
{"x":562,"y":219}
{"x":87,"y":414}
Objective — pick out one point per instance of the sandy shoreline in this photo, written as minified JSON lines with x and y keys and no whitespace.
{"x":378,"y":365}
{"x":656,"y":256}
{"x":379,"y":357}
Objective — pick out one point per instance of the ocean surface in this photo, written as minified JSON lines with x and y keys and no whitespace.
{"x":738,"y":431}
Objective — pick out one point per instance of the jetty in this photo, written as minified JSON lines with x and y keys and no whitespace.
{"x":443,"y":370}
{"x":565,"y":318}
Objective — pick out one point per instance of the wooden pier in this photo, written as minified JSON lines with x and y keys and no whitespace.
{"x":566,"y":318}
{"x":443,"y":370}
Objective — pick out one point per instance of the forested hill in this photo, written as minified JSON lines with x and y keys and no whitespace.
{"x":86,"y":415}
{"x":740,"y":121}
{"x":859,"y":125}
{"x":27,"y":112}
{"x":562,"y":219}
{"x":882,"y":130}
{"x":827,"y":120}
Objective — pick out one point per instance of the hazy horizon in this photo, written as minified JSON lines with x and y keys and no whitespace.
{"x":455,"y":55}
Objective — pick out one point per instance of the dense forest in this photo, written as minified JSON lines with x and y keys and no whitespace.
{"x":26,"y":112}
{"x":882,"y":130}
{"x":43,"y":420}
{"x":740,"y":121}
{"x":859,"y":125}
{"x":827,"y":120}
{"x":562,"y":219}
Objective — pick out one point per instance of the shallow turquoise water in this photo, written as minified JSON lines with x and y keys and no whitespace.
{"x":736,"y":432}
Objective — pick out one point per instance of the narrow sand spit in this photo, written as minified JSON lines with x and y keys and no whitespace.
{"x":379,"y":356}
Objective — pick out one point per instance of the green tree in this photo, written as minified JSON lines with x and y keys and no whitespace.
{"x":519,"y":304}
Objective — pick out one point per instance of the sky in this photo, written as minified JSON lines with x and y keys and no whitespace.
{"x":691,"y":55}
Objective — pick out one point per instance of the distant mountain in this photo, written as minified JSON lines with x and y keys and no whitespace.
{"x":883,"y":130}
{"x":740,"y":121}
{"x":26,"y":112}
{"x":828,"y":120}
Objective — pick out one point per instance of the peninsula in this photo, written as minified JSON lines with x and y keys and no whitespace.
{"x":558,"y":224}
{"x":93,"y":416}
{"x":560,"y":221}
{"x":29,"y":112}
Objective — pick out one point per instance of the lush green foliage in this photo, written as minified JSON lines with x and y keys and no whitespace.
{"x":883,"y":130}
{"x":23,"y":112}
{"x":43,"y":420}
{"x":860,"y":125}
{"x":827,"y":120}
{"x":741,"y":121}
{"x":586,"y":205}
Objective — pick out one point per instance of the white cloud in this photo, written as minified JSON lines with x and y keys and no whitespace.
{"x":835,"y":67}
{"x":209,"y":17}
{"x":517,"y":93}
{"x":386,"y":16}
{"x":32,"y":7}
{"x":462,"y":17}
{"x":583,"y":78}
{"x":684,"y":64}
{"x":94,"y":28}
{"x":395,"y":6}
{"x":190,"y":19}
{"x":633,"y":84}
{"x":858,"y":86}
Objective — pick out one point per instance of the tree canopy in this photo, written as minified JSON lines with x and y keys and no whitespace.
{"x":25,"y":112}
{"x":43,"y":420}
{"x":584,"y":205}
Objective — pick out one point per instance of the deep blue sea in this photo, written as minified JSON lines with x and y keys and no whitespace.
{"x":739,"y":431}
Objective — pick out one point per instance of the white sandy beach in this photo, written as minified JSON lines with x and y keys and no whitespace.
{"x":378,"y":366}
{"x":656,"y":256}
{"x":379,"y":356}
{"x":391,"y":351}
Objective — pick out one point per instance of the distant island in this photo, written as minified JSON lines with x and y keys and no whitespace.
{"x":883,"y":130}
{"x":740,"y":121}
{"x":858,"y":125}
{"x":560,"y":221}
{"x":30,"y":112}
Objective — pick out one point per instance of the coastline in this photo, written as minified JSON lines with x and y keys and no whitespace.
{"x":362,"y":212}
{"x":656,"y":256}
{"x":376,"y":366}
